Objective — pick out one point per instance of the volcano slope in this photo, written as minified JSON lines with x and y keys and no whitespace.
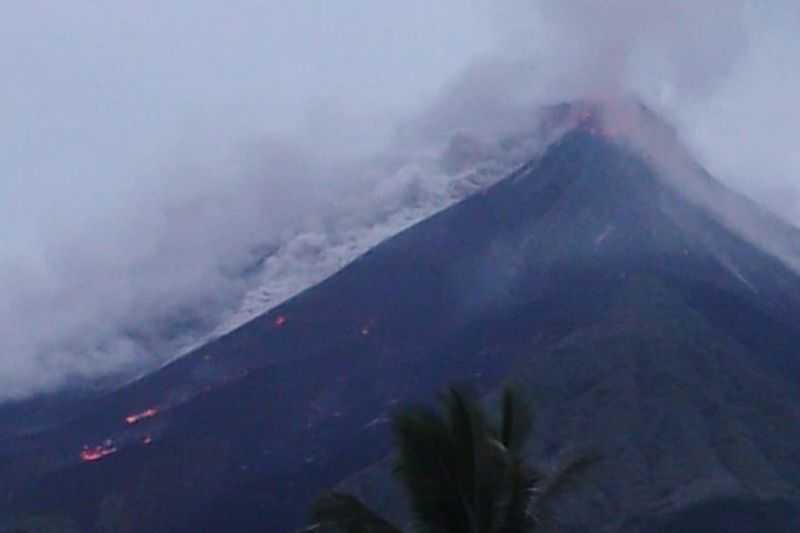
{"x":644,"y":327}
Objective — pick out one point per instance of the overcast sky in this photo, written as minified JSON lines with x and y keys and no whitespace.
{"x":146,"y":147}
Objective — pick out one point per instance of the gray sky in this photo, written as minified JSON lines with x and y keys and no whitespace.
{"x":148,"y":146}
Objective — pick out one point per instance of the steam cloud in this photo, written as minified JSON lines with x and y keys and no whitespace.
{"x":168,"y":172}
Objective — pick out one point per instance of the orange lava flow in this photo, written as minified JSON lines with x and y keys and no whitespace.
{"x":136,"y":417}
{"x":97,"y":452}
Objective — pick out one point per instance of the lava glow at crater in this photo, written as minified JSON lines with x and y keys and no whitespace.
{"x":611,"y":119}
{"x":279,"y":321}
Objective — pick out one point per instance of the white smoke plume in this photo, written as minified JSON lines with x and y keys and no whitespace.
{"x":170,"y":170}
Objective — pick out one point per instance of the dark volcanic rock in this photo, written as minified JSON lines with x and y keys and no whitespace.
{"x":643,"y":326}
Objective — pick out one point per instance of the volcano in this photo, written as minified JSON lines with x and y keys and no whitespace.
{"x":649,"y":311}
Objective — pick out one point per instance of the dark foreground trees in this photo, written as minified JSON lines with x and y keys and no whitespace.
{"x":462,"y":473}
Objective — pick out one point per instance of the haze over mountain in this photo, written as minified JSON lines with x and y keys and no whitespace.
{"x":172,"y":171}
{"x":236,"y":237}
{"x":646,"y":325}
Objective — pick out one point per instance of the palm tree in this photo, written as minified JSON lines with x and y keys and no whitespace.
{"x":462,"y":473}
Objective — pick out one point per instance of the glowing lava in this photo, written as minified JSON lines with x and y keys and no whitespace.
{"x":95,"y":453}
{"x":280,"y":321}
{"x":147,"y":440}
{"x":136,"y":417}
{"x":609,"y":118}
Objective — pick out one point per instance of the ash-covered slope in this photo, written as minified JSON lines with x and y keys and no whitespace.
{"x":646,"y":327}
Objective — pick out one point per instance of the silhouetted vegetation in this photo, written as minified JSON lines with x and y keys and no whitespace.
{"x":462,"y":473}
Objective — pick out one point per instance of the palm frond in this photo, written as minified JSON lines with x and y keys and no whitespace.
{"x":468,"y":430}
{"x":517,"y":420}
{"x":568,"y":471}
{"x":347,"y":514}
{"x":428,"y":465}
{"x":463,"y":472}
